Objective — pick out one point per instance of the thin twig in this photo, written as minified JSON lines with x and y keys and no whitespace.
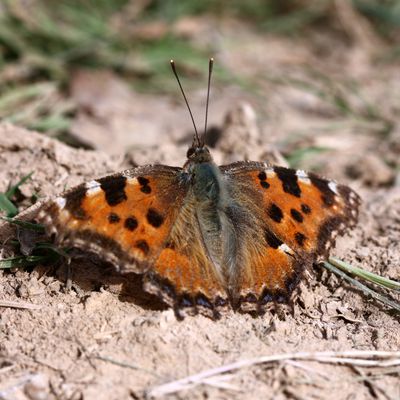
{"x":355,"y":357}
{"x":124,"y":365}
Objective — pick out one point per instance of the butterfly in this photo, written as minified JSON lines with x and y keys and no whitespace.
{"x":207,"y":237}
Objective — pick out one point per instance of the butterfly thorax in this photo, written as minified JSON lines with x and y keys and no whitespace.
{"x":204,"y":176}
{"x":211,"y":196}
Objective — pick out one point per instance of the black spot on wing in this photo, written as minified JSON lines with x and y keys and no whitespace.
{"x":131,"y":223}
{"x":296,"y":215}
{"x":327,"y":195}
{"x":220,"y":302}
{"x":143,"y":246}
{"x":265,"y":184}
{"x":113,"y":218}
{"x":145,"y":189}
{"x":275,"y":213}
{"x":74,"y":200}
{"x":281,"y":297}
{"x":300,"y":238}
{"x":169,"y":245}
{"x":266,"y":297}
{"x":292,"y":281}
{"x":277,"y":296}
{"x":271,"y":239}
{"x":198,"y":301}
{"x":202,"y":301}
{"x":154,"y":218}
{"x":114,"y":189}
{"x":288,"y":178}
{"x":185,"y":301}
{"x":262,"y":176}
{"x":143,"y":181}
{"x":306,"y":209}
{"x":325,"y":239}
{"x":144,"y":185}
{"x":249,"y":298}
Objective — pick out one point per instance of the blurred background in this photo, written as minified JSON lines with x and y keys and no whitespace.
{"x":315,"y":78}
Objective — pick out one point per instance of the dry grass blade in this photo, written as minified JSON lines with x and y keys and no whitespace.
{"x":15,"y":304}
{"x":381,"y":359}
{"x":220,"y":382}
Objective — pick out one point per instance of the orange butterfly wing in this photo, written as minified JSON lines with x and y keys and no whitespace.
{"x":125,"y":217}
{"x":184,"y":274}
{"x":293,"y":221}
{"x":142,"y":221}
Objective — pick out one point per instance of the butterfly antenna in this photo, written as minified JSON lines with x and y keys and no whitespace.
{"x":187,"y":103}
{"x":210,"y":68}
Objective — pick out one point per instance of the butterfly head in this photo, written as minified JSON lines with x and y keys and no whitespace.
{"x":198,"y":154}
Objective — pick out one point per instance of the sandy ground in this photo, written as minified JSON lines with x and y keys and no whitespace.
{"x":106,"y":339}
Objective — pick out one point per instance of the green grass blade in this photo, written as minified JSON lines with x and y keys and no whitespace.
{"x":25,"y":261}
{"x":363,"y":288}
{"x":53,"y":248}
{"x":24,"y":224}
{"x":11,"y":192}
{"x":368,"y":276}
{"x":52,"y":123}
{"x":7,"y":206}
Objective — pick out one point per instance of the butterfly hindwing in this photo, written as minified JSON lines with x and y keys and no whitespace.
{"x":296,"y":218}
{"x":184,"y":274}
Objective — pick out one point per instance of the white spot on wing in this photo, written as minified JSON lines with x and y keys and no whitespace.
{"x":270,"y":173}
{"x":333,"y":187}
{"x":132,"y":181}
{"x":92,"y":187}
{"x":61,"y":202}
{"x":285,"y":249}
{"x":92,"y":184}
{"x":302,"y":176}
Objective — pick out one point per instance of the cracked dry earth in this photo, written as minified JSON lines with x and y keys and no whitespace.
{"x":106,"y":339}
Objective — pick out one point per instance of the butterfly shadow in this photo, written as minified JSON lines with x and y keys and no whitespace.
{"x":89,"y":274}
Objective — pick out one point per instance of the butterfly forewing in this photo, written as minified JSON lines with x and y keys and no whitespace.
{"x":125,"y":217}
